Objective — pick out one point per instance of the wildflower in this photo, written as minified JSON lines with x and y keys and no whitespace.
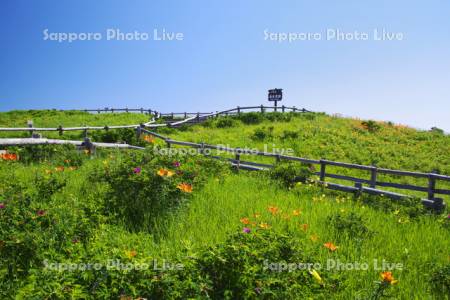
{"x":130,"y":254}
{"x":165,"y":173}
{"x":185,"y":187}
{"x":258,"y":290}
{"x":257,"y":215}
{"x":245,"y":221}
{"x":176,"y":164}
{"x":149,"y":139}
{"x":330,"y":246}
{"x":448,"y":217}
{"x":273,"y":210}
{"x":59,"y":169}
{"x":264,"y":225}
{"x":246,"y":230}
{"x":314,"y":237}
{"x":67,"y":161}
{"x":296,"y":212}
{"x":75,"y":241}
{"x":137,"y":170}
{"x":388,"y":278}
{"x":2,"y":205}
{"x":41,"y":213}
{"x":316,"y":276}
{"x":304,"y":227}
{"x":72,"y":168}
{"x":48,"y":171}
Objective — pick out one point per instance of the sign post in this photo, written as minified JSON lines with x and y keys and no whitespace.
{"x":275,"y":95}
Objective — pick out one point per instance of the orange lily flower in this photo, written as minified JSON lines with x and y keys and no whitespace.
{"x":388,"y":277}
{"x":185,"y":187}
{"x":165,"y":173}
{"x":330,"y":246}
{"x":245,"y":221}
{"x":273,"y":210}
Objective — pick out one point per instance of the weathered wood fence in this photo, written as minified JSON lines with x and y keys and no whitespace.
{"x":186,"y":119}
{"x":371,"y":181}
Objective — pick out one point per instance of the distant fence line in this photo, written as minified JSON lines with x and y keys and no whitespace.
{"x":188,"y":118}
{"x":372,"y":181}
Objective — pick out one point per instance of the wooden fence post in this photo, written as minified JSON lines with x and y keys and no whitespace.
{"x":142,"y":110}
{"x":294,"y":109}
{"x":88,"y":145}
{"x":238,"y":110}
{"x":373,"y":177}
{"x":30,"y":125}
{"x":126,"y":109}
{"x":282,"y":108}
{"x":322,"y":170}
{"x":112,"y":110}
{"x":431,"y":185}
{"x":262,"y":108}
{"x":198,"y":117}
{"x":60,"y":130}
{"x":139,"y":131}
{"x":238,"y":158}
{"x":185,"y":115}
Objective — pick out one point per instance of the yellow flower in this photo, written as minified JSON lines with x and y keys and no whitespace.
{"x":296,"y":212}
{"x":257,"y":215}
{"x":185,"y":187}
{"x":388,"y":277}
{"x":264,"y":225}
{"x":314,"y":237}
{"x":316,"y":276}
{"x":165,"y":173}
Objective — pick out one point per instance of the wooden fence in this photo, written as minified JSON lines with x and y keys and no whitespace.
{"x":188,"y":118}
{"x":371,"y":181}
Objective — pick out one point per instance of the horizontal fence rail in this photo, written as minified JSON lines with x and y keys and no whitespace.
{"x":145,"y":128}
{"x":189,"y":118}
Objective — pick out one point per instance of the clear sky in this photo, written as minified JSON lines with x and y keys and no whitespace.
{"x":224,"y":58}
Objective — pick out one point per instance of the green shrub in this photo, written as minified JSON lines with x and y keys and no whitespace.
{"x":289,"y":173}
{"x":371,"y":126}
{"x":349,"y":225}
{"x":260,"y":134}
{"x":440,"y":281}
{"x":251,"y":118}
{"x":288,"y":134}
{"x":225,"y":122}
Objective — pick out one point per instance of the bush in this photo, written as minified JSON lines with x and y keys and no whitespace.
{"x":138,"y":193}
{"x":370,"y":126}
{"x":440,"y":281}
{"x":349,"y":225}
{"x":278,"y":117}
{"x":225,"y":122}
{"x":251,"y":118}
{"x":289,"y":173}
{"x":288,"y":134}
{"x":263,"y":133}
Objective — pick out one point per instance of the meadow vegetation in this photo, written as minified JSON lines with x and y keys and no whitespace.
{"x":136,"y":224}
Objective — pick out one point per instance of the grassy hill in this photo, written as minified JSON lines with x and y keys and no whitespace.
{"x":236,"y":234}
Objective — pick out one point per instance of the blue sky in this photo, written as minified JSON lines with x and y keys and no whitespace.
{"x":224,"y":59}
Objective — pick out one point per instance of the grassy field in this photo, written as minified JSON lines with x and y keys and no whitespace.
{"x":236,"y":234}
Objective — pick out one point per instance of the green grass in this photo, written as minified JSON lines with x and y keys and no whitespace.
{"x":213,"y":212}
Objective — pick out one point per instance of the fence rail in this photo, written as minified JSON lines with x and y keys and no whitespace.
{"x":373,"y":171}
{"x":198,"y":117}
